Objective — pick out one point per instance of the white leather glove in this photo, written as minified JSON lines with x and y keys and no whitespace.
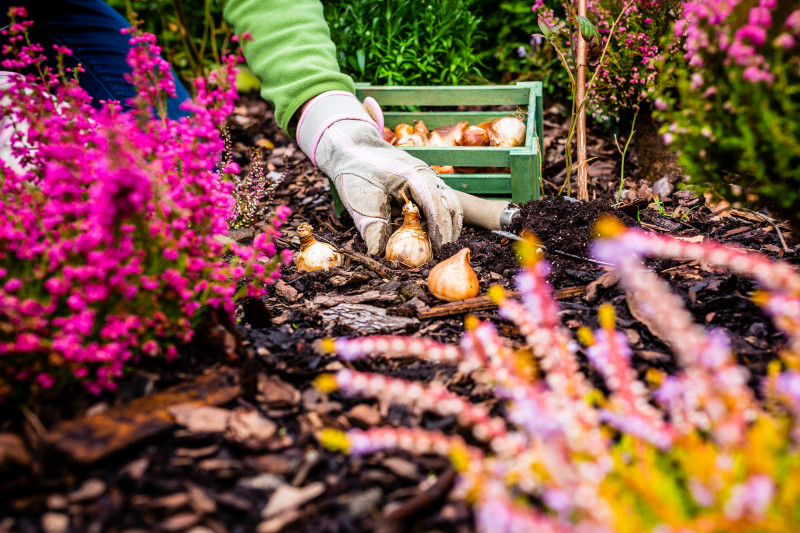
{"x":346,"y":143}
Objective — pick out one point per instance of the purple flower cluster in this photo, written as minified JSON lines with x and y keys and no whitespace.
{"x":730,"y":31}
{"x":110,"y":222}
{"x":628,"y":73}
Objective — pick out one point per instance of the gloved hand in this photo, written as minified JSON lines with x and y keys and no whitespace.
{"x":346,"y":143}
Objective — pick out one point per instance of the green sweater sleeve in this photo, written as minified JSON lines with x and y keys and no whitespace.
{"x":291,"y":52}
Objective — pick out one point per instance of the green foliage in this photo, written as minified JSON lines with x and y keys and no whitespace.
{"x":406,"y":43}
{"x":512,"y":54}
{"x":191,"y":32}
{"x":733,"y":114}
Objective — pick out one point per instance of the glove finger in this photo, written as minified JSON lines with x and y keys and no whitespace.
{"x":440,"y":206}
{"x":369,"y":206}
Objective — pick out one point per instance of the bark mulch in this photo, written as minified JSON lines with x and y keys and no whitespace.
{"x":223,"y":440}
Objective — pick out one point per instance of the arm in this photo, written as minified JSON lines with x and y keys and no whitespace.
{"x":291,"y":52}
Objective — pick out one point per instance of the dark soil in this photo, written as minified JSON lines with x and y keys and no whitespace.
{"x":208,"y":481}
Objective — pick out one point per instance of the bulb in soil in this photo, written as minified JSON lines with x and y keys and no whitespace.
{"x":315,"y":255}
{"x":409,"y":245}
{"x":453,"y":279}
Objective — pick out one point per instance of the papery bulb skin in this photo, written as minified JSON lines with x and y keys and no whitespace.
{"x":315,"y":255}
{"x":403,"y":130}
{"x":453,"y":279}
{"x":475,"y":136}
{"x":410,"y":140}
{"x":389,"y":136}
{"x":507,"y":131}
{"x":409,"y":245}
{"x":422,"y":130}
{"x":448,"y":135}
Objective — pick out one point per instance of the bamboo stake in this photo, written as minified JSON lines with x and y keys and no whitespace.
{"x":580,"y":95}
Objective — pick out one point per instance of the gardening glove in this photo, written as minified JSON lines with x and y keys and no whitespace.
{"x":345,"y":141}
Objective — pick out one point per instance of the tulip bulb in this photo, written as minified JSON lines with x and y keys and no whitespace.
{"x":448,"y":135}
{"x":443,"y":170}
{"x":402,"y":130}
{"x":422,"y":130}
{"x":389,"y":136}
{"x":453,"y":279}
{"x":507,"y":131}
{"x":315,"y":255}
{"x":475,"y":136}
{"x":409,"y":245}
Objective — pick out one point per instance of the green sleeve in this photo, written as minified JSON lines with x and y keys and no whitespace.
{"x":291,"y":52}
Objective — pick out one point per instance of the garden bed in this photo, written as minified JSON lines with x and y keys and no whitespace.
{"x":252,"y":462}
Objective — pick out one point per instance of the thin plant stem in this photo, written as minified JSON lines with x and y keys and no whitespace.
{"x":625,"y":151}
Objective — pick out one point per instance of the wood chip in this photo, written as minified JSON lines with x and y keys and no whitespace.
{"x":90,"y":439}
{"x":366,"y":319}
{"x":276,"y":393}
{"x":287,"y":498}
{"x":13,"y":451}
{"x":201,"y":418}
{"x":655,"y":326}
{"x":286,"y":291}
{"x":363,"y":415}
{"x":179,"y":522}
{"x":91,"y":489}
{"x":249,"y":428}
{"x":606,"y":281}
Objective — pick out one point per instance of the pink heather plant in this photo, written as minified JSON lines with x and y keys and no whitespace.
{"x":729,"y":102}
{"x":109,"y":219}
{"x":628,"y":73}
{"x":698,"y":453}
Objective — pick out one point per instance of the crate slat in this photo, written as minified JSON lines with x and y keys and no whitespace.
{"x":485,"y":156}
{"x":481,"y":184}
{"x":447,"y":96}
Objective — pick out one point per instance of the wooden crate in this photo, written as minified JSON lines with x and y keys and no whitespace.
{"x":520,"y":185}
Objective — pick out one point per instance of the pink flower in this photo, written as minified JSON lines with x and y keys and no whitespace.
{"x":12,"y":285}
{"x":283,"y":212}
{"x":757,"y":35}
{"x":232,"y":168}
{"x":287,"y":256}
{"x":660,"y":104}
{"x":760,"y":16}
{"x":45,"y":381}
{"x":755,"y":75}
{"x":785,"y":41}
{"x":793,"y":22}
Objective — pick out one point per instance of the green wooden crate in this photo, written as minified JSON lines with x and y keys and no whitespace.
{"x":520,"y":185}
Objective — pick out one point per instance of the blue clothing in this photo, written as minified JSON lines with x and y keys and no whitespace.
{"x":91,"y":29}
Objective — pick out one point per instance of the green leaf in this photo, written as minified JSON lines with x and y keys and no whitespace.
{"x":361,"y":57}
{"x":544,"y":27}
{"x":588,"y":29}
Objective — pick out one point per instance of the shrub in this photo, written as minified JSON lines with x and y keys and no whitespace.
{"x":190,"y":43}
{"x":628,"y":73}
{"x":406,"y":43}
{"x":731,"y":104}
{"x":511,"y":53}
{"x":109,"y":223}
{"x":700,"y":453}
